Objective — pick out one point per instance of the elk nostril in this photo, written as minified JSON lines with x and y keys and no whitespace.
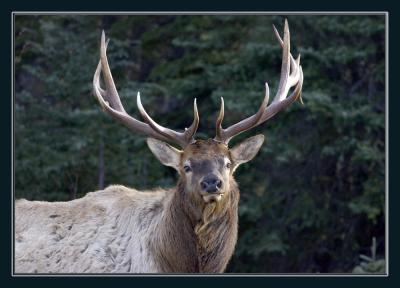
{"x":211,"y":184}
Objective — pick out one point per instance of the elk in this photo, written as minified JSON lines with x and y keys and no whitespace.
{"x":188,"y":229}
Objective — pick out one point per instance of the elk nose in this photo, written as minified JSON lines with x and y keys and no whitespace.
{"x":211,"y":184}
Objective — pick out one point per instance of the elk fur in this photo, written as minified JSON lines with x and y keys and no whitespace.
{"x":122,"y":230}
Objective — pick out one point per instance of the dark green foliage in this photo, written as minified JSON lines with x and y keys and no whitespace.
{"x":314,"y":196}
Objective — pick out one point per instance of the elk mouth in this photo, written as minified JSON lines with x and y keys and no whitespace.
{"x":216,"y":197}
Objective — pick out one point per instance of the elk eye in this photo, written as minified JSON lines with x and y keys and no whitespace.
{"x":187,"y":168}
{"x":228,"y":165}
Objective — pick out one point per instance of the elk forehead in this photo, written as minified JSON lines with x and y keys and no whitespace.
{"x":205,"y":149}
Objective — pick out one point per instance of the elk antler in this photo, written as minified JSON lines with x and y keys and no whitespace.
{"x":291,"y":75}
{"x":111,"y":104}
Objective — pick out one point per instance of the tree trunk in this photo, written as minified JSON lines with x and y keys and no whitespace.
{"x":73,"y":187}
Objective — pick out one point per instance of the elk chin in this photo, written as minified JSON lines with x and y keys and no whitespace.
{"x":209,"y":198}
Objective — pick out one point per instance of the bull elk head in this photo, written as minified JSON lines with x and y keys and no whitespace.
{"x":206,"y":166}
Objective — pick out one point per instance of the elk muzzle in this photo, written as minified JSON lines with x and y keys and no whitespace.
{"x":211,"y":188}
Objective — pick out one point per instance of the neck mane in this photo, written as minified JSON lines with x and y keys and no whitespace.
{"x":196,"y":239}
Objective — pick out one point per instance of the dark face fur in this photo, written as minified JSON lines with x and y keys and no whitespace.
{"x":206,"y":169}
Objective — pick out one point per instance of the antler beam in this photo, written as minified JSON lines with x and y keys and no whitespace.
{"x":111,"y":104}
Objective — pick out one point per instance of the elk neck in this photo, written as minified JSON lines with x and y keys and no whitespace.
{"x":197,"y":237}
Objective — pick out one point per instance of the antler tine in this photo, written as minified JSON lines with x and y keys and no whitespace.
{"x":112,"y":95}
{"x":189,"y":132}
{"x":218,"y":125}
{"x":294,"y":64}
{"x":278,"y":37}
{"x":291,"y":75}
{"x":183,"y":138}
{"x":111,"y":104}
{"x":277,"y":106}
{"x":224,"y":135}
{"x":285,"y":69}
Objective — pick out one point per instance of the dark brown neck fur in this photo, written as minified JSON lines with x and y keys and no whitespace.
{"x":197,"y":238}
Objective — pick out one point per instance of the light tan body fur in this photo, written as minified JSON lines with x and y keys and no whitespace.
{"x":122,"y":230}
{"x":101,"y":232}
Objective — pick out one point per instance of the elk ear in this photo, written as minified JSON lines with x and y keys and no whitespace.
{"x":246,"y":150}
{"x":165,"y":153}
